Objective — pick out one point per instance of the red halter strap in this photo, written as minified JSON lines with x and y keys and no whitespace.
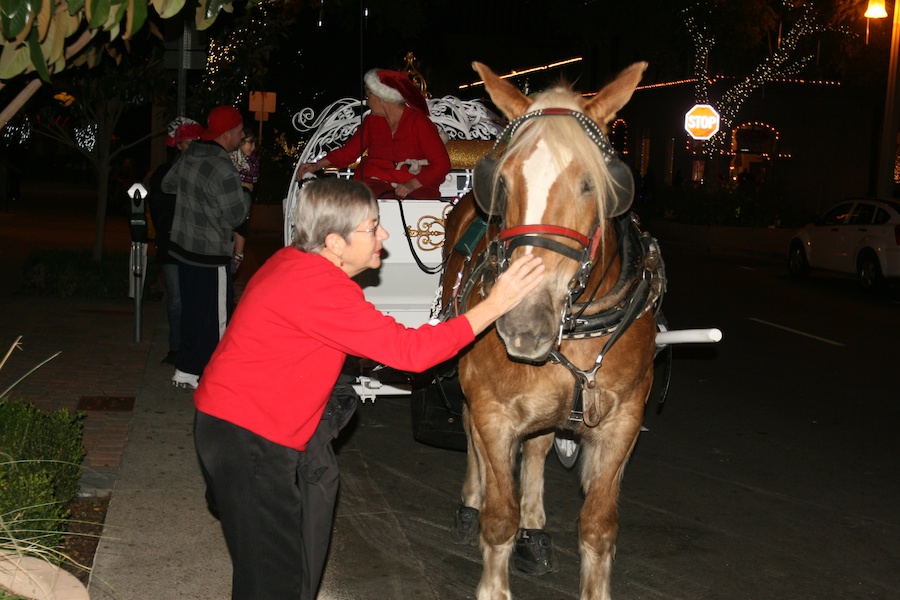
{"x":536,"y":235}
{"x":544,"y":230}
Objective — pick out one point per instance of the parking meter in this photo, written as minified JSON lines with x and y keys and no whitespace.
{"x":138,"y":217}
{"x":137,"y":220}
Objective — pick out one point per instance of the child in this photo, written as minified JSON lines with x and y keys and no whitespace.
{"x":247,"y":163}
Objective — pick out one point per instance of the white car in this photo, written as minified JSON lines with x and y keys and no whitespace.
{"x":859,"y":236}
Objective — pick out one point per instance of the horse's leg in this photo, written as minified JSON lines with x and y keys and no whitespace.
{"x":605,"y":451}
{"x":465,"y":524}
{"x":500,"y":511}
{"x":534,"y":549}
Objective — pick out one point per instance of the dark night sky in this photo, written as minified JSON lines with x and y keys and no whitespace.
{"x":447,"y":35}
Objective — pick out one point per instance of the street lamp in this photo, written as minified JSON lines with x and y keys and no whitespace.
{"x":887,"y":156}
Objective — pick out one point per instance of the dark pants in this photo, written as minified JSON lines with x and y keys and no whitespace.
{"x":276,"y":504}
{"x":206,"y":301}
{"x":173,"y":304}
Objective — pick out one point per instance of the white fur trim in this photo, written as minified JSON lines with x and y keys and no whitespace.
{"x":386,"y":93}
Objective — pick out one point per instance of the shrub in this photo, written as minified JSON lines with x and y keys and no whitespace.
{"x":75,"y":274}
{"x":39,"y":472}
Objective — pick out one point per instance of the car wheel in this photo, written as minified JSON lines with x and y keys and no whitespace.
{"x":798,"y":266}
{"x":869,"y":271}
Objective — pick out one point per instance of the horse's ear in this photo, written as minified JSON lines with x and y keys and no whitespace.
{"x":507,"y":97}
{"x":603,"y":107}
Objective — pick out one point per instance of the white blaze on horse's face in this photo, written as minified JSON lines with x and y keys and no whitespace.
{"x":540,"y":172}
{"x":529,"y":331}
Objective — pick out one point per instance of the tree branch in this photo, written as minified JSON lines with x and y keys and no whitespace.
{"x":35,"y":84}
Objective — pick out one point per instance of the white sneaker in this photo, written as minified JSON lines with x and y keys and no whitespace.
{"x":185,"y":380}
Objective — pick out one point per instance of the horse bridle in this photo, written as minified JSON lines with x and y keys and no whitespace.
{"x":644,"y":293}
{"x":484,"y":176}
{"x":546,"y":236}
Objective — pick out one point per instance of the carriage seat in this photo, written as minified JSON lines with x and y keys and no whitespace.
{"x":469,"y":126}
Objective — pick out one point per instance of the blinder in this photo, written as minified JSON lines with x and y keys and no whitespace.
{"x":490,"y":191}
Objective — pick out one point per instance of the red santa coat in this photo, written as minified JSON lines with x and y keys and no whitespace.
{"x":282,"y":352}
{"x":416,"y":138}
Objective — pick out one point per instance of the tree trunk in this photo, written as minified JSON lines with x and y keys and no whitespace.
{"x":100,"y":217}
{"x":101,"y":158}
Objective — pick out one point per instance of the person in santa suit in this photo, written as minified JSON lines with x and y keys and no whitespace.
{"x":403,"y":155}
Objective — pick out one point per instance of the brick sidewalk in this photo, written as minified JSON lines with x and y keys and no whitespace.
{"x":99,"y":369}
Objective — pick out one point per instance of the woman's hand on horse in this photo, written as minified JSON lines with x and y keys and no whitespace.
{"x":523,"y":275}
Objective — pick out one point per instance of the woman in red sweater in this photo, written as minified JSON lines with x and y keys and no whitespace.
{"x":261,"y":399}
{"x":403,"y":156}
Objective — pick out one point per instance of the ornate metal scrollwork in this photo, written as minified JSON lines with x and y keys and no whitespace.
{"x":431,"y":230}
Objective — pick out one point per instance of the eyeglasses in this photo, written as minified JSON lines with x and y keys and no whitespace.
{"x":373,"y":231}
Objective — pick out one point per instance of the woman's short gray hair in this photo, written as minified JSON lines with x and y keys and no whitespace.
{"x":330,"y":205}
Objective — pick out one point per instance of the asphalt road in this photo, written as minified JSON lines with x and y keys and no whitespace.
{"x":770,"y":472}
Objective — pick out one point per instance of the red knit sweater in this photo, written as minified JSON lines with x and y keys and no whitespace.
{"x":416,"y":138}
{"x":297,"y":320}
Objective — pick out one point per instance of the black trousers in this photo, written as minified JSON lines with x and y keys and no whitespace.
{"x":206,"y":301}
{"x":276,"y":504}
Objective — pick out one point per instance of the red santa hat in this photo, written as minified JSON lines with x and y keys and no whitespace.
{"x":182,"y":129}
{"x":396,"y":88}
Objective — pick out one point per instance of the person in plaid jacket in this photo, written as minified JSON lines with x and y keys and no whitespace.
{"x":210,"y":204}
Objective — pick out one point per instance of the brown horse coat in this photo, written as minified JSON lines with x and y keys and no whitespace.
{"x":518,"y":403}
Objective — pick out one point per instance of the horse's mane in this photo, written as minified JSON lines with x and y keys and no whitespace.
{"x":566,"y":139}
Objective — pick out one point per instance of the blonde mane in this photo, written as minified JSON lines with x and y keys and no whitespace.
{"x":566,"y":140}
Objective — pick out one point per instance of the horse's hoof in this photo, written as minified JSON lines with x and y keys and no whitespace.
{"x":465,"y":526}
{"x":534,"y":552}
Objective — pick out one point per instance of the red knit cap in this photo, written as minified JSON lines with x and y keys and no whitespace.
{"x":395,"y":87}
{"x":220,"y":120}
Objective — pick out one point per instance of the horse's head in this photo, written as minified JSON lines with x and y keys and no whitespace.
{"x":554,"y":187}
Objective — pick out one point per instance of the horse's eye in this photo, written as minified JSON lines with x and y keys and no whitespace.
{"x":500,"y":190}
{"x":587,"y":187}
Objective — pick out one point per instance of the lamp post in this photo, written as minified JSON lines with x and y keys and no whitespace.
{"x":887,"y":156}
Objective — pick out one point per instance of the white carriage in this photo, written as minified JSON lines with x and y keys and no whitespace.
{"x":407,"y":284}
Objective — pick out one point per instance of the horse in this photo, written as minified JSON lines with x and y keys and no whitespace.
{"x":552,"y":186}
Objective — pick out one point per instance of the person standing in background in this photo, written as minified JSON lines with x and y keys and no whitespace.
{"x":247,"y":163}
{"x":210,"y":204}
{"x":182,"y":131}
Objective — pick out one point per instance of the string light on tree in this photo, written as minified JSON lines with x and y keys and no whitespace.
{"x":86,"y":136}
{"x":782,"y":63}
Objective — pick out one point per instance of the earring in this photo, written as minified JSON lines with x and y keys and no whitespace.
{"x":342,"y":260}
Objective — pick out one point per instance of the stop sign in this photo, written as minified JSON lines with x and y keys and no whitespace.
{"x":701,"y":122}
